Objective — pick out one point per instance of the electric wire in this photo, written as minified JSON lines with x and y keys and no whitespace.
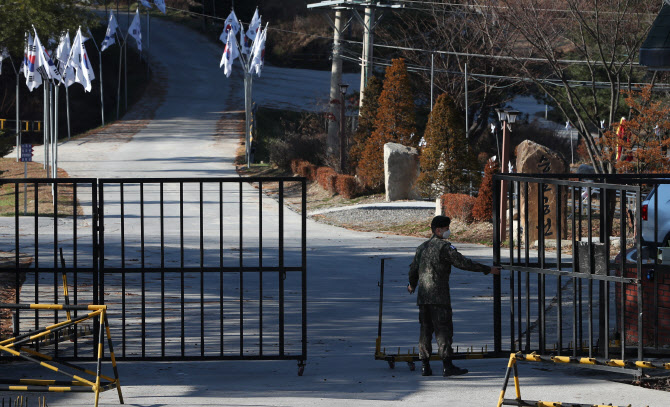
{"x":518,"y":79}
{"x":455,"y":53}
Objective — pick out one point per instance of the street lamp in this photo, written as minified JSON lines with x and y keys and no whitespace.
{"x":507,"y":117}
{"x":343,"y":91}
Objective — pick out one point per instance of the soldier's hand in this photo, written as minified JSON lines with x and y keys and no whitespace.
{"x":495,"y":270}
{"x":410,"y":289}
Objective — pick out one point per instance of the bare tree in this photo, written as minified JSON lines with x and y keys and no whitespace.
{"x":456,"y":35}
{"x":583,"y":54}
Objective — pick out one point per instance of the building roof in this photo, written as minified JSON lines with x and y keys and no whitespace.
{"x":655,"y":51}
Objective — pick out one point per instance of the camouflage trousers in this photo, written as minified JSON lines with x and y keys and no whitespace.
{"x":435,"y":319}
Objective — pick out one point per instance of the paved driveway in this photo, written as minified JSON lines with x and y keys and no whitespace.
{"x":343,"y":272}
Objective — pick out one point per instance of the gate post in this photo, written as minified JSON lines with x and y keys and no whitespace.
{"x":497,"y":314}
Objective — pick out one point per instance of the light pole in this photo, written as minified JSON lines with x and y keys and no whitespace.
{"x":572,"y":150}
{"x":506,"y":117}
{"x":343,"y":91}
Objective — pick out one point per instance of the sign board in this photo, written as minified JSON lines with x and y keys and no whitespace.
{"x":26,"y":152}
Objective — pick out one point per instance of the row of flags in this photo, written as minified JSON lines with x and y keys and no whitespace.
{"x":71,"y":63}
{"x":160,"y":4}
{"x":252,"y":43}
{"x":71,"y":66}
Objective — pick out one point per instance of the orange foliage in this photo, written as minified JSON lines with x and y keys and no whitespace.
{"x":483,"y":208}
{"x":366,"y":121}
{"x":395,"y":122}
{"x":458,"y":206}
{"x":326,"y":177}
{"x":346,"y":186}
{"x":644,"y":137}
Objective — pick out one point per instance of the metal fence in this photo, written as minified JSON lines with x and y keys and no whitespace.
{"x":191,"y":269}
{"x":573,"y":282}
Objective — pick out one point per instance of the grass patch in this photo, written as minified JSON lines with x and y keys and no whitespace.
{"x":417,"y":229}
{"x":9,"y":168}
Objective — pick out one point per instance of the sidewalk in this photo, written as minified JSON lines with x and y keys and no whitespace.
{"x":378,"y":205}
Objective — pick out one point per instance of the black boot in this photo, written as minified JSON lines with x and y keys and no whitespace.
{"x":425,"y":368}
{"x":449,"y":369}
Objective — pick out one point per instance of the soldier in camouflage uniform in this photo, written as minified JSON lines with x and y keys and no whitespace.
{"x":430,"y":271}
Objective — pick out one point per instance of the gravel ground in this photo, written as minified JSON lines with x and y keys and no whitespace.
{"x":380,"y":218}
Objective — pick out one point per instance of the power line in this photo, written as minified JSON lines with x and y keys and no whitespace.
{"x":462,"y":54}
{"x":480,"y":6}
{"x":518,"y":79}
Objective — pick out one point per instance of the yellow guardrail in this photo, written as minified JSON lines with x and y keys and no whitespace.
{"x":19,"y":346}
{"x":533,"y":357}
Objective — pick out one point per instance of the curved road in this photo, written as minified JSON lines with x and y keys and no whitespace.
{"x":343,"y":270}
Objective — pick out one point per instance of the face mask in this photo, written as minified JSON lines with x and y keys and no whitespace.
{"x":446,"y":234}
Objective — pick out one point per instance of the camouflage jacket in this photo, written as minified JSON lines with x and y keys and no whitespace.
{"x":431,"y":269}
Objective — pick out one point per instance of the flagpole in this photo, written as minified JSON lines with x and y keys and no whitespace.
{"x":44,"y":128}
{"x":18,"y":125}
{"x":56,"y":132}
{"x":102,"y":99}
{"x":118,"y":85}
{"x":18,"y":122}
{"x":148,"y":39}
{"x":52,"y":134}
{"x":67,"y":109}
{"x":125,"y":75}
{"x":247,"y":99}
{"x":51,"y":126}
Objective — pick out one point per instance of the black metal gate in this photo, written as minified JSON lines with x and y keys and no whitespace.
{"x":594,"y":304}
{"x":192,"y":269}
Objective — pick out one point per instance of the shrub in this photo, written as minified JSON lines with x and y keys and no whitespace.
{"x":302,"y":139}
{"x":395,"y":122}
{"x":366,"y":121}
{"x":483,"y":208}
{"x":458,"y":206}
{"x":583,"y":152}
{"x":346,"y":186}
{"x":295,"y":165}
{"x":307,"y":170}
{"x":447,"y":164}
{"x":326,"y":177}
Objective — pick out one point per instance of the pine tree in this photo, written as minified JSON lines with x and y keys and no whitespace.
{"x":395,"y":122}
{"x":483,"y":208}
{"x":366,"y":120}
{"x":446,"y":162}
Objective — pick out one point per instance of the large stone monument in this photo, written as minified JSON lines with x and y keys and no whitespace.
{"x":401,"y":169}
{"x":533,"y":158}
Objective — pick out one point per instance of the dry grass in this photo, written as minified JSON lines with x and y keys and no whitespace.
{"x":12,"y":169}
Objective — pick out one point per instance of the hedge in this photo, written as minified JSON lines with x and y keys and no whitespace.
{"x":326,"y":177}
{"x":458,"y":206}
{"x":346,"y":186}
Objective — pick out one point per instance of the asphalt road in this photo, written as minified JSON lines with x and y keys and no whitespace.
{"x":343,"y":272}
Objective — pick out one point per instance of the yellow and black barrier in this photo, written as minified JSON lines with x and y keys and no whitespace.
{"x":533,"y":357}
{"x":19,"y":347}
{"x":412,"y":356}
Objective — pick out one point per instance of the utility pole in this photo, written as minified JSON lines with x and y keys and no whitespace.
{"x":368,"y":22}
{"x":368,"y":41}
{"x":335,"y":80}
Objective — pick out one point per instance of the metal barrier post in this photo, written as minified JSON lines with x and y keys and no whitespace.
{"x":497,"y":297}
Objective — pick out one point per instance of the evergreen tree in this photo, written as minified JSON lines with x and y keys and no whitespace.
{"x":446,"y":162}
{"x":395,"y":122}
{"x":366,"y":120}
{"x":51,"y":18}
{"x":483,"y":208}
